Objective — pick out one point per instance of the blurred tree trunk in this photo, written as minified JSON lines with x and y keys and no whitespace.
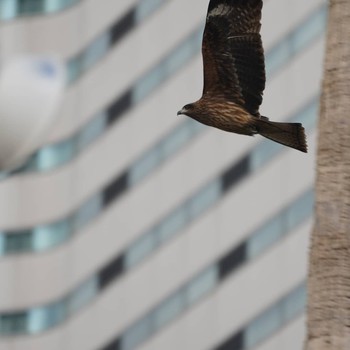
{"x":328,"y":309}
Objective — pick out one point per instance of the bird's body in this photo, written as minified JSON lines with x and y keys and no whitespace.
{"x":224,"y":115}
{"x":234,"y":75}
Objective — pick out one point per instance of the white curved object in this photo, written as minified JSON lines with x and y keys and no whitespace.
{"x":31,"y":88}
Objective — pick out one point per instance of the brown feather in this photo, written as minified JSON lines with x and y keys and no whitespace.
{"x":234,"y":75}
{"x":233,"y":56}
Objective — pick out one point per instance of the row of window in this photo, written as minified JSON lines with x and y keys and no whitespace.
{"x":87,"y":58}
{"x":10,"y":9}
{"x":46,"y":237}
{"x":269,"y":322}
{"x":40,"y":319}
{"x":52,"y":156}
{"x":211,"y":277}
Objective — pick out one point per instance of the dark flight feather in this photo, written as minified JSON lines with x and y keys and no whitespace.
{"x":233,"y":54}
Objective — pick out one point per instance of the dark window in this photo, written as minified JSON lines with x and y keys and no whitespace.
{"x":14,"y":323}
{"x":123,"y":26}
{"x":28,"y":7}
{"x":235,"y":173}
{"x":115,"y":189}
{"x":116,"y":110}
{"x":111,"y":272}
{"x":233,"y":343}
{"x":232,"y":260}
{"x":113,"y":345}
{"x":19,"y":241}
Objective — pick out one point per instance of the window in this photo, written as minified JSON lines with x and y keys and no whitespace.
{"x":168,"y":310}
{"x":137,"y":334}
{"x":201,"y":285}
{"x":10,"y":9}
{"x":139,"y":250}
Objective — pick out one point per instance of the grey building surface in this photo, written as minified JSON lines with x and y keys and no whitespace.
{"x":132,"y":228}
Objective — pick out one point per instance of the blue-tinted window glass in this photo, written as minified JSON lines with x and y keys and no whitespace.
{"x":205,"y":198}
{"x":137,"y":334}
{"x":88,"y":211}
{"x":175,"y":140}
{"x":55,"y":5}
{"x":82,"y":295}
{"x":301,"y":210}
{"x":308,"y":116}
{"x":179,"y":57}
{"x":295,"y":303}
{"x":8,"y":9}
{"x":172,"y":224}
{"x":139,"y":250}
{"x":46,"y":237}
{"x":43,"y":318}
{"x":50,"y":157}
{"x":263,"y":326}
{"x":92,"y":130}
{"x":74,"y":68}
{"x":277,"y":57}
{"x":144,"y":166}
{"x":148,"y":83}
{"x":202,"y":285}
{"x":263,"y":153}
{"x":266,"y":236}
{"x":95,"y":51}
{"x":146,"y":8}
{"x":309,"y":30}
{"x":169,"y":310}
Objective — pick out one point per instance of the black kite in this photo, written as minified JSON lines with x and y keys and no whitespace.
{"x":234,"y":75}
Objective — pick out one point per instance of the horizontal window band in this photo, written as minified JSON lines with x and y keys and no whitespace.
{"x":12,"y":9}
{"x":291,"y":216}
{"x":147,"y":326}
{"x":268,"y":322}
{"x":46,"y":237}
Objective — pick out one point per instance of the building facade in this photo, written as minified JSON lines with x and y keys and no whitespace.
{"x":132,"y":228}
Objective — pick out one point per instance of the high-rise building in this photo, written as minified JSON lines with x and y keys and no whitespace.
{"x":133,"y":228}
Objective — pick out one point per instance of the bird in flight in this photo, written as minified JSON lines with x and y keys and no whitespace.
{"x":234,"y":75}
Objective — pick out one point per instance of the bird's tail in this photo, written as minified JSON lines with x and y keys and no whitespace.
{"x":288,"y":134}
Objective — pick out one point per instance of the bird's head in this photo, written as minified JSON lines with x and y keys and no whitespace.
{"x":187,"y":109}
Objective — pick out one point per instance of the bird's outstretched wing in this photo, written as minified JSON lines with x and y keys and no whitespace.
{"x":233,"y":55}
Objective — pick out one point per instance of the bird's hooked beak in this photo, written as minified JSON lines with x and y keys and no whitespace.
{"x":179,"y":112}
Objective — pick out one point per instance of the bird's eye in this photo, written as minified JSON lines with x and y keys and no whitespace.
{"x":189,"y":106}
